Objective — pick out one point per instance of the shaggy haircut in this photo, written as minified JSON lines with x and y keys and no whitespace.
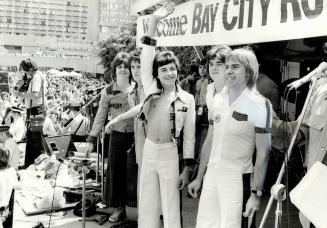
{"x":120,"y":58}
{"x":4,"y":156}
{"x":161,"y":59}
{"x":246,"y":57}
{"x":27,"y":65}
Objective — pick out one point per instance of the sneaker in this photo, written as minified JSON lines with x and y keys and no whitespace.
{"x":118,"y":215}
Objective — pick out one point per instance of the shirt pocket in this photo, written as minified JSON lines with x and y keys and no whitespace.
{"x":317,"y":121}
{"x":181,"y":110}
{"x":238,"y":123}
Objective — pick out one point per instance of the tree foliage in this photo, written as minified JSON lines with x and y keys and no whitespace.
{"x":110,"y":47}
{"x":125,"y":41}
{"x":187,"y":56}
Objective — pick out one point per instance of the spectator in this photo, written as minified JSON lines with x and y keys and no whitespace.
{"x":11,"y":146}
{"x":189,"y":83}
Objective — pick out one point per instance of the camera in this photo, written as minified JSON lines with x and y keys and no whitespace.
{"x":22,"y":85}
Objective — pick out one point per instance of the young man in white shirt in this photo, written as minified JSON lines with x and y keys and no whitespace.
{"x":35,"y":100}
{"x":242,"y":122}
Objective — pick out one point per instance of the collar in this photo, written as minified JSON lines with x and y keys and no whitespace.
{"x":132,"y":88}
{"x":115,"y":87}
{"x":180,"y":94}
{"x":225,"y":93}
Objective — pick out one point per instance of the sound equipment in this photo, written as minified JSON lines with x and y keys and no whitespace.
{"x":4,"y":77}
{"x":4,"y":88}
{"x":60,"y":145}
{"x":4,"y":81}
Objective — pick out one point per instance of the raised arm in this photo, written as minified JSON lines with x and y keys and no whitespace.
{"x":148,"y":51}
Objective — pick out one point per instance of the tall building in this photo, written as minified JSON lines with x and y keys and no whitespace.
{"x":114,"y":17}
{"x":60,"y":28}
{"x":55,"y":18}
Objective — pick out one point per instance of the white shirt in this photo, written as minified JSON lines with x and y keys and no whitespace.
{"x":211,"y":92}
{"x":18,"y":129}
{"x":8,"y":179}
{"x":36,"y":86}
{"x":14,"y":153}
{"x":235,"y":127}
{"x":84,"y":127}
{"x":48,"y":128}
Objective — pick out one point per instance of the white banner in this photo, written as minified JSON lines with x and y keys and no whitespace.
{"x":232,"y":22}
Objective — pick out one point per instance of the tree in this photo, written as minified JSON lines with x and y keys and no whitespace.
{"x":187,"y":56}
{"x":110,"y":47}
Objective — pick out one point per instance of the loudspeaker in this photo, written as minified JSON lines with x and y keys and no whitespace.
{"x":4,"y":88}
{"x":60,"y":145}
{"x":4,"y":81}
{"x":4,"y":77}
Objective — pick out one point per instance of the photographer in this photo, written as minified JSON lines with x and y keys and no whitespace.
{"x":32,"y":91}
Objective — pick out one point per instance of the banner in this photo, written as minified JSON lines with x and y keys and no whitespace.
{"x":233,"y":22}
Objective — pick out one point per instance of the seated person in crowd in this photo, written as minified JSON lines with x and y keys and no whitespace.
{"x":18,"y":127}
{"x":11,"y":146}
{"x":79,"y":127}
{"x":8,"y":180}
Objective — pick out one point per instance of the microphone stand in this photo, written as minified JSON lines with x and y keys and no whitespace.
{"x":278,"y":194}
{"x":82,"y":109}
{"x":97,"y":168}
{"x":71,"y":119}
{"x":83,"y":193}
{"x":102,"y":161}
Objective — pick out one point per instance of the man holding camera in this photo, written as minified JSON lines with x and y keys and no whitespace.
{"x":32,"y":91}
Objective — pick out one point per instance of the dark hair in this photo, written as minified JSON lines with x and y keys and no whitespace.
{"x":161,"y":59}
{"x":3,"y":159}
{"x":120,"y":58}
{"x":194,"y":69}
{"x":27,"y":65}
{"x":135,"y":56}
{"x":220,"y":51}
{"x":203,"y":62}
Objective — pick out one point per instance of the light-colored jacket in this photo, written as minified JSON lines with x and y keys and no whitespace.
{"x":112,"y":103}
{"x":184,"y":107}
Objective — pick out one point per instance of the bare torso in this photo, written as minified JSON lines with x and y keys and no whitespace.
{"x":159,"y":119}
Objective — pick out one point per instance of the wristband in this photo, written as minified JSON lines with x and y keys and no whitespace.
{"x":257,"y":193}
{"x":148,"y":41}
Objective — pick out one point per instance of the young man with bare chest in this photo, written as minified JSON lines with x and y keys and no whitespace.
{"x":166,"y":110}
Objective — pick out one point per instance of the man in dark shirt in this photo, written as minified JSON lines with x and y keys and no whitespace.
{"x":189,"y":83}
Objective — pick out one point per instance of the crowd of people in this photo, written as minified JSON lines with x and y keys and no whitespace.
{"x":159,"y":128}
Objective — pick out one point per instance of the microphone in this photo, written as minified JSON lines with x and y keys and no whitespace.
{"x":68,"y":122}
{"x":316,"y":72}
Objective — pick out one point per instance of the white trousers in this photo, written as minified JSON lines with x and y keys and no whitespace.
{"x":158,"y":186}
{"x":221,"y":199}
